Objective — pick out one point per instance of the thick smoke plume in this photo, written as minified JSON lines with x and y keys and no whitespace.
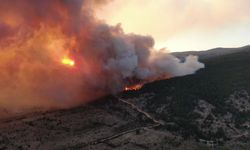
{"x":35,"y":35}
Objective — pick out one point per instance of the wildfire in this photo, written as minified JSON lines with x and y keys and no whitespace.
{"x":68,"y":61}
{"x":134,"y":87}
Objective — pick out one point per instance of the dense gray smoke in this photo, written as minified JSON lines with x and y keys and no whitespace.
{"x":54,"y":53}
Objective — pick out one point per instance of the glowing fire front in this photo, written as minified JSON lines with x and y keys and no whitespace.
{"x":134,"y":87}
{"x":67,"y":61}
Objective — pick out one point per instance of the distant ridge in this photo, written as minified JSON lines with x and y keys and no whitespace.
{"x":212,"y":52}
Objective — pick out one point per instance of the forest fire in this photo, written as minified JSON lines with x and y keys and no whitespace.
{"x":134,"y":87}
{"x":67,"y":61}
{"x":33,"y":42}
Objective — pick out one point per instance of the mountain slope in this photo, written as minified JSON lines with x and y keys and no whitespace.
{"x":195,"y":112}
{"x":213,"y":52}
{"x":213,"y":104}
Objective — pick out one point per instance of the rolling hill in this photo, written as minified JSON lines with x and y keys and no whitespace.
{"x":209,"y":109}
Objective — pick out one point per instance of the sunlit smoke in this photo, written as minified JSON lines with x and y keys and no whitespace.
{"x":64,"y":56}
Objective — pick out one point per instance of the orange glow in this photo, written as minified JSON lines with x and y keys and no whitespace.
{"x":68,"y":61}
{"x":134,"y":87}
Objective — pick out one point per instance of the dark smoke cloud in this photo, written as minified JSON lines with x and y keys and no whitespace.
{"x":36,"y":35}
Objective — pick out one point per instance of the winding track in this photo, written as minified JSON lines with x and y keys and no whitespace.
{"x":133,"y":106}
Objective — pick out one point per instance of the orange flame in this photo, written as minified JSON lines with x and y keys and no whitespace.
{"x":133,"y":87}
{"x":67,"y":61}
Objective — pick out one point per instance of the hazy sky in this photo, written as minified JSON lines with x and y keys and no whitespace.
{"x":182,"y":25}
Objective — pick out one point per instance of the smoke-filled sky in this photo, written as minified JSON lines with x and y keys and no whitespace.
{"x":182,"y":25}
{"x":56,"y":53}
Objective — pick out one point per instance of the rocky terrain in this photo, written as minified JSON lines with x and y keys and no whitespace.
{"x":207,"y":110}
{"x":105,"y":124}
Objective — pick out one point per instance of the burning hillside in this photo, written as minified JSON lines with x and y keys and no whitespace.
{"x":133,"y":87}
{"x":57,"y":54}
